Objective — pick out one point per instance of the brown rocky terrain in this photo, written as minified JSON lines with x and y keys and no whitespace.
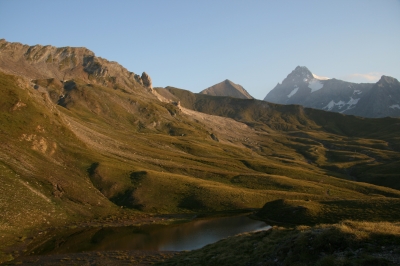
{"x":51,"y":65}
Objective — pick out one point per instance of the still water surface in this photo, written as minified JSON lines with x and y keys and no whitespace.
{"x":177,"y":237}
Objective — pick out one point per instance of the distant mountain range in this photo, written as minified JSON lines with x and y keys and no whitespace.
{"x":302,"y":87}
{"x":227,"y":88}
{"x":365,"y":99}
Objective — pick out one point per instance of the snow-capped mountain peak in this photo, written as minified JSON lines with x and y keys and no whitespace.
{"x":364,"y":99}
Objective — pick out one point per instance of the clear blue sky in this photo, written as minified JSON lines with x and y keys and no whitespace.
{"x":196,"y":44}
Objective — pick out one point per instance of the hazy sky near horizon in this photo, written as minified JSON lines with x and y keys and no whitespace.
{"x":195,"y":44}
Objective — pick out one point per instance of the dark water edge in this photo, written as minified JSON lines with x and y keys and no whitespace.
{"x":151,"y":237}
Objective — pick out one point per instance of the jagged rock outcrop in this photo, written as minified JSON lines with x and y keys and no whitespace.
{"x":147,"y":80}
{"x":227,"y":88}
{"x":307,"y":89}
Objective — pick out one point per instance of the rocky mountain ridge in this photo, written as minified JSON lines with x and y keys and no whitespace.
{"x":304,"y":88}
{"x":40,"y":62}
{"x":382,"y":100}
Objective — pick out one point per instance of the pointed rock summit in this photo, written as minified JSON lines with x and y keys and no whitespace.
{"x":299,"y":74}
{"x":295,"y":87}
{"x":227,"y":88}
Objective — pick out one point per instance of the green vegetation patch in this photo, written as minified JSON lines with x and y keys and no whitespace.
{"x":297,"y":212}
{"x":346,"y":243}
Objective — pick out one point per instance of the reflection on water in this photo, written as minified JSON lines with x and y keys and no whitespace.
{"x":186,"y":236}
{"x":197,"y":234}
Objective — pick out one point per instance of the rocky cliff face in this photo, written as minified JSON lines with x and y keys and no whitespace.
{"x":227,"y":88}
{"x":46,"y":62}
{"x":304,"y":88}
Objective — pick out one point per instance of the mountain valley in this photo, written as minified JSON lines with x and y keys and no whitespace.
{"x":85,"y":141}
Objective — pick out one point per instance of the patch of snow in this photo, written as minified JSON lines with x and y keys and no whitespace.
{"x":293,"y":92}
{"x":305,"y":80}
{"x":329,"y":106}
{"x":353,"y":101}
{"x":319,"y":77}
{"x":341,"y":104}
{"x":351,"y":104}
{"x":357,"y":92}
{"x":332,"y":104}
{"x":395,"y":106}
{"x":315,"y":85}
